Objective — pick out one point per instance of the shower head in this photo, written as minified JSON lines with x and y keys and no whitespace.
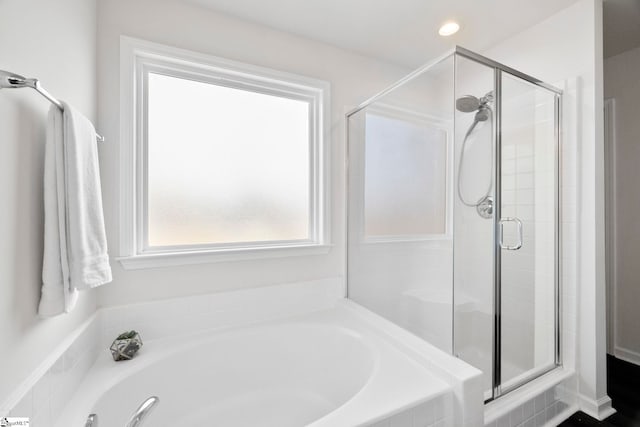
{"x":467,"y":104}
{"x":10,"y":80}
{"x":483,"y":114}
{"x":470,"y":103}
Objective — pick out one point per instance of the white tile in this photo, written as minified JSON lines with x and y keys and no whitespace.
{"x":43,"y":419}
{"x":524,"y":180}
{"x":509,"y":197}
{"x":383,"y":423}
{"x":525,"y":197}
{"x":80,"y":370}
{"x":504,"y":421}
{"x":508,"y":166}
{"x":508,"y":151}
{"x":509,"y":210}
{"x":525,"y":212}
{"x":540,"y":420}
{"x":550,"y":397}
{"x":540,"y":404}
{"x":58,"y":366}
{"x":41,"y":394}
{"x":62,"y":387}
{"x":24,"y":408}
{"x":561,"y":407}
{"x":517,"y":416}
{"x":550,"y":412}
{"x":424,"y":415}
{"x":404,"y":419}
{"x":439,"y":408}
{"x":509,"y":182}
{"x":524,"y":150}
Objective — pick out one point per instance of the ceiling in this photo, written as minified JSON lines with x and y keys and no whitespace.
{"x":621,"y":26}
{"x":404,"y":32}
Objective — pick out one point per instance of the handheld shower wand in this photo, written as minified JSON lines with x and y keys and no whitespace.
{"x":469,"y":104}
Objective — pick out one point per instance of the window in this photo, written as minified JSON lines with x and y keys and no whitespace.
{"x":225,"y":160}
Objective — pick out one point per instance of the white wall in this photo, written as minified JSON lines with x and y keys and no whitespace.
{"x":353,"y":78}
{"x":55,"y":42}
{"x":621,"y":83}
{"x":566,"y":50}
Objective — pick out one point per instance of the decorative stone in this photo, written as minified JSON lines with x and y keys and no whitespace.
{"x":126,"y":346}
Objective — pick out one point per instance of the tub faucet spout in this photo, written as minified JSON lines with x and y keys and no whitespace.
{"x":142,"y":412}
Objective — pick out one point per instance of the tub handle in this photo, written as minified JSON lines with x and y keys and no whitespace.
{"x":142,"y":411}
{"x":92,"y":421}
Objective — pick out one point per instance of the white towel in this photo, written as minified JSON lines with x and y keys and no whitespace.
{"x":75,"y":244}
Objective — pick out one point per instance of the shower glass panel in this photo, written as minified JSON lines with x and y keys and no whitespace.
{"x":528,"y":250}
{"x":473,"y":285}
{"x":400,"y":217}
{"x":453,"y":217}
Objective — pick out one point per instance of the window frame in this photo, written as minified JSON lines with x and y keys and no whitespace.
{"x":138,"y":58}
{"x":410,"y":116}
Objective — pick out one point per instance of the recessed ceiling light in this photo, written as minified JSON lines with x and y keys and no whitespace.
{"x":449,"y":28}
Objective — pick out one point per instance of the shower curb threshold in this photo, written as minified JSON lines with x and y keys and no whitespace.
{"x":525,"y":393}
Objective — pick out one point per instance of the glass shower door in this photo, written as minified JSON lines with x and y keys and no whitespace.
{"x":506,"y":198}
{"x":526,"y":230}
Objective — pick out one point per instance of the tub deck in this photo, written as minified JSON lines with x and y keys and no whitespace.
{"x":359,"y":375}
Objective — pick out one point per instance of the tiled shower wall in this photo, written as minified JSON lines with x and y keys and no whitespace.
{"x":519,"y":287}
{"x":528,"y":194}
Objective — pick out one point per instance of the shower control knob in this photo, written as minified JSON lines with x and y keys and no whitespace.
{"x":484,"y":207}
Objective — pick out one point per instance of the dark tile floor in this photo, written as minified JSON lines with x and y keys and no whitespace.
{"x":623,"y":387}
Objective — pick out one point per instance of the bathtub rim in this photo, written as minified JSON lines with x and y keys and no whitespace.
{"x":89,"y":395}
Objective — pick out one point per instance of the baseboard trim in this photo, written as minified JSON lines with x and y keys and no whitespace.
{"x":562,"y":416}
{"x":627,"y":355}
{"x":598,"y":409}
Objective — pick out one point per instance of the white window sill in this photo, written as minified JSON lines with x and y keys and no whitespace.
{"x":168,"y":259}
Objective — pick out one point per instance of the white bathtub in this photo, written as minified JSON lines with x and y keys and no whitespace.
{"x":327,"y":368}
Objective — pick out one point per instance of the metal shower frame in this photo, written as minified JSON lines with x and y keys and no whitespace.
{"x":499,"y":69}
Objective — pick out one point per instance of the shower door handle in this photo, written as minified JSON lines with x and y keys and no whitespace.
{"x":519,"y":226}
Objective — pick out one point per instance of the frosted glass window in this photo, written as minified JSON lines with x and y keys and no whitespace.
{"x":226,"y":165}
{"x":405,"y":178}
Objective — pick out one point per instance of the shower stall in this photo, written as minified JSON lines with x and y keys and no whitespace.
{"x":454,"y":214}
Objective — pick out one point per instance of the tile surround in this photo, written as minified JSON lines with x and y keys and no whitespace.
{"x":433,"y":413}
{"x":47,"y":397}
{"x":545,"y":409}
